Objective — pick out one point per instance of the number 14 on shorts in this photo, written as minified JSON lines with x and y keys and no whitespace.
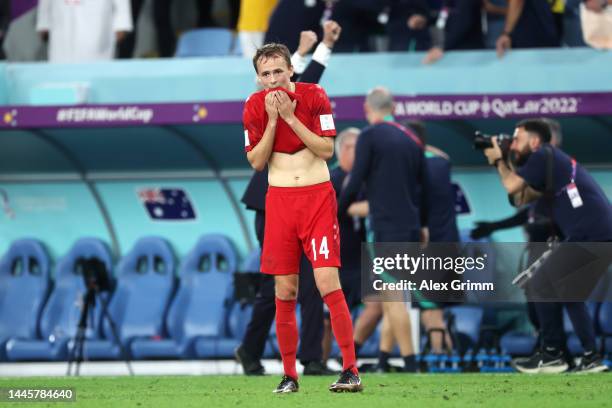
{"x":323,"y":249}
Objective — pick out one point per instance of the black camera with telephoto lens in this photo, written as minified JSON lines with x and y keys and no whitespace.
{"x":483,"y":141}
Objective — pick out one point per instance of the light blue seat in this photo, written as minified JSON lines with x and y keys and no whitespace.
{"x":205,"y":42}
{"x":467,"y":322}
{"x":145,"y":283}
{"x":197,"y":318}
{"x":240,"y":314}
{"x":517,"y":343}
{"x":252,"y":261}
{"x":60,"y":317}
{"x":24,"y":286}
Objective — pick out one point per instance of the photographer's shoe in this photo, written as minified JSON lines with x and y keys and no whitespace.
{"x":250,"y":366}
{"x":591,"y":363}
{"x":544,"y":362}
{"x":287,"y":385}
{"x":348,"y":382}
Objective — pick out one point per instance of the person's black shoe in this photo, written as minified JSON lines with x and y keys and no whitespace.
{"x":250,"y":366}
{"x":287,"y":385}
{"x":591,"y":363}
{"x":347,"y":382}
{"x":317,"y":368}
{"x":542,"y":362}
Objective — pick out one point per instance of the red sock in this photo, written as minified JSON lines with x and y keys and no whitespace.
{"x":287,"y":334}
{"x":342,"y":326}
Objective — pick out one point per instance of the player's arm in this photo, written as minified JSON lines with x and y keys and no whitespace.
{"x":504,"y":41}
{"x":322,"y":147}
{"x":260,"y":154}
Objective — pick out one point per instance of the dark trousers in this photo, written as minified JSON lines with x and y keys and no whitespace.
{"x":550,"y":317}
{"x":264,"y":310}
{"x":358,"y":21}
{"x":289,"y":18}
{"x":125,"y":48}
{"x":570,"y":273}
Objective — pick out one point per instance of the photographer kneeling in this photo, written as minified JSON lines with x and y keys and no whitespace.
{"x":546,"y":176}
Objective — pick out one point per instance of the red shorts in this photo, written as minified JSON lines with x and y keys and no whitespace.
{"x":300,"y":219}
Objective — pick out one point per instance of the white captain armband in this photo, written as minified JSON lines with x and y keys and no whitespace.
{"x":327,"y":122}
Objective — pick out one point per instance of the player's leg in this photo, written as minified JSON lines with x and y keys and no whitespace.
{"x":328,"y":284}
{"x":311,"y":330}
{"x":399,"y":321}
{"x":366,"y":323}
{"x":286,"y":287}
{"x":318,"y":231}
{"x":281,"y":257}
{"x":385,"y":346}
{"x":433,"y":319}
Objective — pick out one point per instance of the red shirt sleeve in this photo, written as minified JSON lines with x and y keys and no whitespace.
{"x":252,"y":120}
{"x":323,"y":118}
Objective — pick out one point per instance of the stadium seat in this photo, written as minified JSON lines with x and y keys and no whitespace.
{"x":24,"y":286}
{"x":252,"y":261}
{"x":205,"y":42}
{"x":60,"y":316}
{"x":517,"y":343}
{"x":145,"y":283}
{"x":197,"y":318}
{"x":573,"y":342}
{"x":240,"y":313}
{"x":466,"y":323}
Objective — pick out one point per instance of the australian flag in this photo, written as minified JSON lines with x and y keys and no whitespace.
{"x":171,"y":204}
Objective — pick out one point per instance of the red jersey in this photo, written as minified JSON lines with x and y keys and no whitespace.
{"x":312,"y":109}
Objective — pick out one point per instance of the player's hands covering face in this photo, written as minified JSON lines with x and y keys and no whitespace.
{"x":272,"y":106}
{"x":286,"y":107}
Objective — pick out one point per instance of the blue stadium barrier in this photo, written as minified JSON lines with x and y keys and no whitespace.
{"x":197,"y":318}
{"x":60,"y":317}
{"x":24,"y":286}
{"x":145,"y":283}
{"x":205,"y":42}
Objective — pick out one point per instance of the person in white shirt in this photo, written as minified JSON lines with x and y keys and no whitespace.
{"x":83,"y":30}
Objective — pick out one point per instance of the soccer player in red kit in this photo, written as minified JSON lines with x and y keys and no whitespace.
{"x":289,"y":125}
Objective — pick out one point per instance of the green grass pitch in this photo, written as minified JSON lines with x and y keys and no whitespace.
{"x":395,"y":390}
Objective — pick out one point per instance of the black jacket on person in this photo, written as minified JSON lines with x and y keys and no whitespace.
{"x":463,"y":29}
{"x":390,"y":160}
{"x":289,"y":18}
